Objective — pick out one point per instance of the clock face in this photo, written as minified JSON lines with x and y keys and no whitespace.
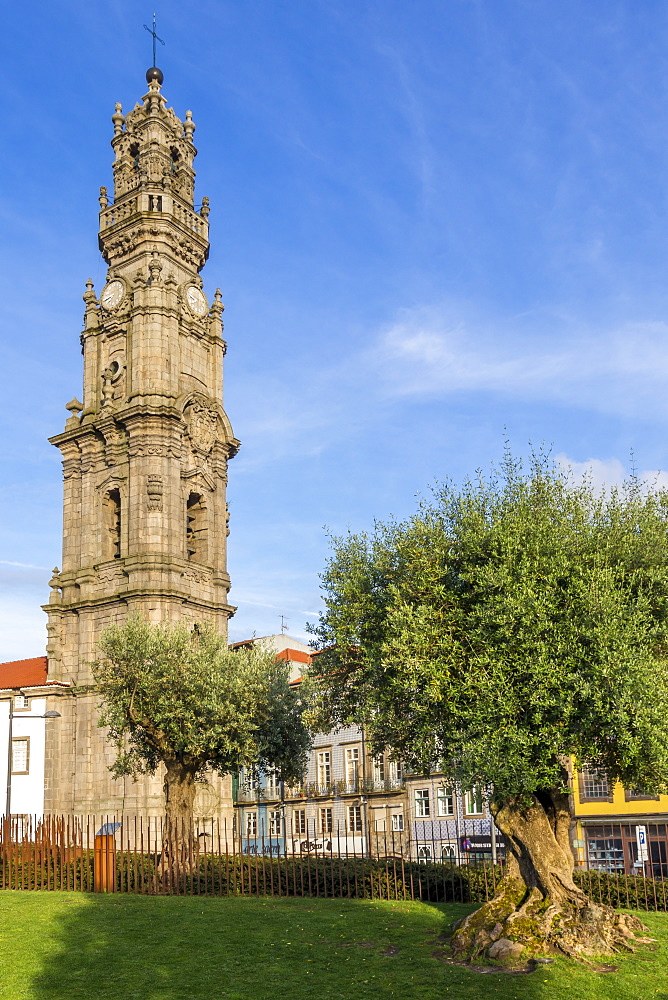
{"x":112,"y":294}
{"x":196,"y":300}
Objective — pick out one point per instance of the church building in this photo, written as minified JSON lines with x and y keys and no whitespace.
{"x":145,"y":453}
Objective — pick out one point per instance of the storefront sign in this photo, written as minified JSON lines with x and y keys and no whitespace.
{"x":481,"y":843}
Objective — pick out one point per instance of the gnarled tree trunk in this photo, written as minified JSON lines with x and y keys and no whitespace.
{"x":538,"y":907}
{"x":179,"y":835}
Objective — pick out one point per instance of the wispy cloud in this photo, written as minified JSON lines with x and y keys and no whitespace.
{"x":440,"y":351}
{"x":610,"y":472}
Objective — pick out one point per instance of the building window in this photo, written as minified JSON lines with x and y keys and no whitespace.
{"x":21,"y":702}
{"x":21,"y":756}
{"x":594,"y":784}
{"x":299,"y":822}
{"x":352,"y":766}
{"x":473,"y":804}
{"x":397,"y":822}
{"x":275,"y":823}
{"x":354,"y":819}
{"x":249,"y":780}
{"x":196,"y":543}
{"x":272,"y":781}
{"x":424,"y":852}
{"x":324,"y":767}
{"x":251,"y":824}
{"x":635,"y":794}
{"x":421,"y":802}
{"x":396,"y":769}
{"x":326,"y":821}
{"x":379,"y":769}
{"x":448,"y":851}
{"x":445,"y":801}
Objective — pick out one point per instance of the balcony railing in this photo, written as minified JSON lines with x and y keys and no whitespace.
{"x":315,"y":790}
{"x":362,"y":786}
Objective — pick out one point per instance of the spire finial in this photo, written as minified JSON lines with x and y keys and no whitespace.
{"x":154,"y":73}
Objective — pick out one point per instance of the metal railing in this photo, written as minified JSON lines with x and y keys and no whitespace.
{"x":135,"y":854}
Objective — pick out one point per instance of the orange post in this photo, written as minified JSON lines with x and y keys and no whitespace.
{"x":104,"y":871}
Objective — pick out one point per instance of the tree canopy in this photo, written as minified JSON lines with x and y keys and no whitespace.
{"x":510,"y":624}
{"x":176,"y":695}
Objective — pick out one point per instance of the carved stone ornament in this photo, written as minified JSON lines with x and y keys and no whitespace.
{"x":154,"y":490}
{"x":201,"y":419}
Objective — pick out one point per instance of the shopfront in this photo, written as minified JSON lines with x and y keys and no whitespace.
{"x":614,"y":848}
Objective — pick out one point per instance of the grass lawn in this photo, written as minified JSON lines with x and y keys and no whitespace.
{"x":71,"y":946}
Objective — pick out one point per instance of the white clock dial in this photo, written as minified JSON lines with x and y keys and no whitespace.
{"x":112,"y":294}
{"x":196,"y":300}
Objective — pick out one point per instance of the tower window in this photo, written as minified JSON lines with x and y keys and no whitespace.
{"x":196,"y":528}
{"x":134,"y":153}
{"x":155,"y":203}
{"x":112,"y":524}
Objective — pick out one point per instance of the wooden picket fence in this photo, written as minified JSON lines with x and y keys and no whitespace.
{"x":142,"y":855}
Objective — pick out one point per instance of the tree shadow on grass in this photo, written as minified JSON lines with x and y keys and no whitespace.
{"x":161,"y":948}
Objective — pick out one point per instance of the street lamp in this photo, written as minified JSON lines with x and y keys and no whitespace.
{"x":47,"y":715}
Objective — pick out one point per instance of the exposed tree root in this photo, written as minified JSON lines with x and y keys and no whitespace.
{"x":516,"y":925}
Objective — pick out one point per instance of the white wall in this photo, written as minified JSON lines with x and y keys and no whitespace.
{"x":27,"y":789}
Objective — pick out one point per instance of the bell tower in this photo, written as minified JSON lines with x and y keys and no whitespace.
{"x":145,"y":454}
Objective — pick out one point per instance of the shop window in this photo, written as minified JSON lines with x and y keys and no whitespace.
{"x":605,"y":851}
{"x":425,"y":852}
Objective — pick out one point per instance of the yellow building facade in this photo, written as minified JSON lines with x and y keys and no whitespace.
{"x":614,"y":823}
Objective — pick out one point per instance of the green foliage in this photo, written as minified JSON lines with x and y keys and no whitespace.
{"x":170,"y":692}
{"x":506,"y":626}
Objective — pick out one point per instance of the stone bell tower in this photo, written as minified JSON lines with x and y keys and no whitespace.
{"x":145,"y":455}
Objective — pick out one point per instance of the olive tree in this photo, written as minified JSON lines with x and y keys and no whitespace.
{"x":510,"y":628}
{"x":176,"y":696}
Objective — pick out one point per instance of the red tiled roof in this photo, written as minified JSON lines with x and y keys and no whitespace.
{"x":24,"y":673}
{"x":296,"y":655}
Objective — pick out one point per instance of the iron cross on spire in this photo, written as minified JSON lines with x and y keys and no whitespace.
{"x":151,"y":31}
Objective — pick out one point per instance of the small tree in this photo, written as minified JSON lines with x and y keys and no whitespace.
{"x":510,"y":627}
{"x":177,"y":696}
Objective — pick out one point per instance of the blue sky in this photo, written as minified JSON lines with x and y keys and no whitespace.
{"x":430,"y":221}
